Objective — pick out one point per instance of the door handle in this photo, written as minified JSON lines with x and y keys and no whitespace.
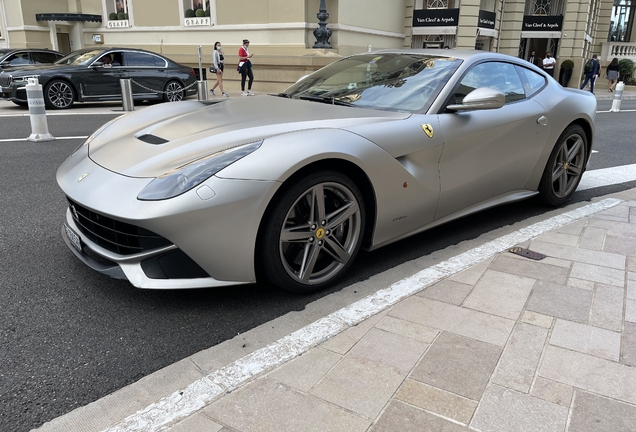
{"x":543,"y":121}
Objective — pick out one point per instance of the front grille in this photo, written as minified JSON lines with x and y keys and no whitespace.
{"x":113,"y":235}
{"x":5,"y":79}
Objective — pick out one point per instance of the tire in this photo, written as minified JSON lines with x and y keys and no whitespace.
{"x":174,"y":92}
{"x":320,"y":241}
{"x":565,"y":167}
{"x":59,"y":94}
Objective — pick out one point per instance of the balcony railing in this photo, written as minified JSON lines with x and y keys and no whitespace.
{"x":620,"y":50}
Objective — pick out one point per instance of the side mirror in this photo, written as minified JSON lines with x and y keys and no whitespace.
{"x":4,"y":64}
{"x":483,"y":98}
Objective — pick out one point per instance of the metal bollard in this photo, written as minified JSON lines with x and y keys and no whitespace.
{"x":202,"y":89}
{"x":618,"y":96}
{"x":126,"y":94}
{"x":37,"y":113}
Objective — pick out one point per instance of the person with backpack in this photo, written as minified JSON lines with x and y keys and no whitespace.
{"x":590,"y":70}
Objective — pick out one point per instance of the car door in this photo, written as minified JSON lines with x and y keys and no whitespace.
{"x":101,"y":81}
{"x":488,"y":153}
{"x":147,"y":72}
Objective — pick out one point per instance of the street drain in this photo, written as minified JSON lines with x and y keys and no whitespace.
{"x":527,"y":253}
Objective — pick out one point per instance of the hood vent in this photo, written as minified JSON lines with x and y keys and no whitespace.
{"x":152,"y":139}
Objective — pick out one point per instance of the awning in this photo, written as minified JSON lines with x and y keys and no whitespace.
{"x":434,"y":30}
{"x":487,"y":32}
{"x":541,"y":34}
{"x":68,"y":17}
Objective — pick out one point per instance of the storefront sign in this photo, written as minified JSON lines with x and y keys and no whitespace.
{"x":551,"y":23}
{"x":118,"y":24}
{"x":199,"y":21}
{"x":435,"y":17}
{"x":486,"y":20}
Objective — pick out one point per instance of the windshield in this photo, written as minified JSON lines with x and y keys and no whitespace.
{"x":400,"y":82}
{"x":79,"y":57}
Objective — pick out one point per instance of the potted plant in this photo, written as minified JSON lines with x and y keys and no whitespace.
{"x":566,"y":72}
{"x":625,"y":68}
{"x":200,"y":13}
{"x":189,"y":13}
{"x":112,"y":16}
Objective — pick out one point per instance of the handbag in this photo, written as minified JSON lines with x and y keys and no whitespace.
{"x":212,"y":69}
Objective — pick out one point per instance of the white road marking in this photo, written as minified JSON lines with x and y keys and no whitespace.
{"x":594,"y":151}
{"x":607,"y":176}
{"x":623,"y":110}
{"x":203,"y":391}
{"x":59,"y":138}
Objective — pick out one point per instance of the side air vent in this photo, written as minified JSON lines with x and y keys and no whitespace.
{"x":152,"y":139}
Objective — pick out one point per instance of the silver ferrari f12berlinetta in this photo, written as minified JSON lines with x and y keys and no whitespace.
{"x":288,"y":187}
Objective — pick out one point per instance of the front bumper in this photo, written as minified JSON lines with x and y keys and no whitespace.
{"x":14,"y":92}
{"x":217,"y":233}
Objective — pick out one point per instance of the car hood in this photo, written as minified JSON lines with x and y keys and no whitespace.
{"x":158,"y":139}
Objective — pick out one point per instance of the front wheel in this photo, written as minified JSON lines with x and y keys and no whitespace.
{"x":565,"y":166}
{"x":174,"y":92}
{"x":313,"y":233}
{"x":59,"y":94}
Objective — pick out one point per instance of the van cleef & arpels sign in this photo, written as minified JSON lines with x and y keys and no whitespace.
{"x":543,"y":23}
{"x":435,"y":17}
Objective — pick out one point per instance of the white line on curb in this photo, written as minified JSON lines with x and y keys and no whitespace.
{"x":203,"y":391}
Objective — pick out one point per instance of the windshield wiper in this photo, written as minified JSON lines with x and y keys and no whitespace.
{"x":325,"y":99}
{"x":283,"y":95}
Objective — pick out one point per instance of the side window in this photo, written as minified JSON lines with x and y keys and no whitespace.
{"x":141,"y":59}
{"x":495,"y":75}
{"x":44,"y":57}
{"x":18,"y":59}
{"x":532,"y":81}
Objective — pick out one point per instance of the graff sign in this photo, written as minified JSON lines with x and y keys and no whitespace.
{"x":118,"y":24}
{"x":542,"y":23}
{"x":435,"y":17}
{"x":202,"y":21}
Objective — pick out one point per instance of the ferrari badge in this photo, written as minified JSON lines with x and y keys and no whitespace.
{"x":428,"y":130}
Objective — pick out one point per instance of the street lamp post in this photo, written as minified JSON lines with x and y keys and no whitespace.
{"x":322,"y":33}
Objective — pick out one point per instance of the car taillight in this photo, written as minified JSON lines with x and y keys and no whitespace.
{"x":192,"y":72}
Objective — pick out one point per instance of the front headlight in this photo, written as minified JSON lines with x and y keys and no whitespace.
{"x":184,"y":178}
{"x":20,"y":79}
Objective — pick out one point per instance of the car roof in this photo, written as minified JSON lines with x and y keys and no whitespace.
{"x":450,"y":53}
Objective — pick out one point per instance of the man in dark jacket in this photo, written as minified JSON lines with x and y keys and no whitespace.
{"x":590,"y":70}
{"x":534,"y":59}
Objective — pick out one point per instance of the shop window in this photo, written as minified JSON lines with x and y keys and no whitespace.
{"x":544,"y":7}
{"x":198,"y":12}
{"x":117,"y":13}
{"x":620,"y":28}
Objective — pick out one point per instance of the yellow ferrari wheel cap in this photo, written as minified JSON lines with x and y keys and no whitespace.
{"x":320,"y":233}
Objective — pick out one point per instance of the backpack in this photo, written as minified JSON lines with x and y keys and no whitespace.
{"x":589,"y":67}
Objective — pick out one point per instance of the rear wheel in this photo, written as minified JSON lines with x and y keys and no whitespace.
{"x":59,"y":94}
{"x":565,"y":166}
{"x":313,"y":233}
{"x":174,"y":92}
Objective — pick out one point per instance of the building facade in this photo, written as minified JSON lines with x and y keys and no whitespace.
{"x":282,"y":38}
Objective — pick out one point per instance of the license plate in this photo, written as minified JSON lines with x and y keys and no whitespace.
{"x":74,"y":238}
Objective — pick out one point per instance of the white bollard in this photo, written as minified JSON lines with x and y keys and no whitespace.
{"x":39,"y":126}
{"x":618,"y":96}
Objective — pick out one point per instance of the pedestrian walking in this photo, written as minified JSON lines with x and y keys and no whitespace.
{"x":590,"y":70}
{"x":245,"y":68}
{"x":612,"y":74}
{"x":534,"y":59}
{"x":548,"y":64}
{"x":217,"y":67}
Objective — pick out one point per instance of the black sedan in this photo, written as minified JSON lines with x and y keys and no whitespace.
{"x":11,"y":58}
{"x":93,"y":75}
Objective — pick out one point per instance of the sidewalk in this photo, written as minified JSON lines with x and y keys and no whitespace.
{"x":475,"y":338}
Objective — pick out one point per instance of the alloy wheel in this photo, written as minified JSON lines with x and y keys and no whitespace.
{"x":174,"y":91}
{"x":568,"y":165}
{"x":60,"y":95}
{"x":320,"y":233}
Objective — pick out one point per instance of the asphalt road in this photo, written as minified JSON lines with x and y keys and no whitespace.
{"x":69,"y":336}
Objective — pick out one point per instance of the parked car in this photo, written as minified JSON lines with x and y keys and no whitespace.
{"x":84,"y":76}
{"x":366,"y":151}
{"x":11,"y":58}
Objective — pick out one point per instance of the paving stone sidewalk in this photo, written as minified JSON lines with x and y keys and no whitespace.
{"x":511,"y":344}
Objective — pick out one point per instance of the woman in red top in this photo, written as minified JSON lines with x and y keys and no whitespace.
{"x":245,"y":68}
